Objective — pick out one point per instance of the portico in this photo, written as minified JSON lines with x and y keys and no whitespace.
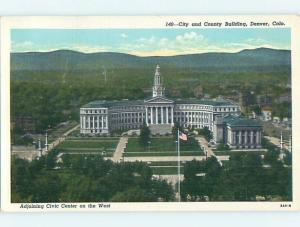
{"x":238,"y":132}
{"x":244,"y":137}
{"x":159,"y":114}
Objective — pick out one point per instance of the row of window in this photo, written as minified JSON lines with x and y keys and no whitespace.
{"x":194,"y":107}
{"x":127,"y":120}
{"x":196,"y":114}
{"x":225,"y":109}
{"x":96,"y":131}
{"x":96,"y":111}
{"x":197,"y":126}
{"x":96,"y":125}
{"x":128,"y":108}
{"x":192,"y":119}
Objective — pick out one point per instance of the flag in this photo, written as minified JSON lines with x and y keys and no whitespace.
{"x":182,"y":136}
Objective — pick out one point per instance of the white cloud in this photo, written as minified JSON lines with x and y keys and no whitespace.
{"x":123,"y":35}
{"x":28,"y":46}
{"x":189,"y":36}
{"x":186,"y":43}
{"x":19,"y":47}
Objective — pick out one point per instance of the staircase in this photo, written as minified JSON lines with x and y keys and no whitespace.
{"x":160,"y":129}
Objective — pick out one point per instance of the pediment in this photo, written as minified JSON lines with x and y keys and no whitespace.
{"x":158,"y":100}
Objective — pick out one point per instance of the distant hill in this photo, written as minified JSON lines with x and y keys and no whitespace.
{"x":261,"y":59}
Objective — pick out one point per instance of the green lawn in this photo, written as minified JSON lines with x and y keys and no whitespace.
{"x":103,"y":146}
{"x":165,"y":144}
{"x":87,"y":152}
{"x":169,"y":153}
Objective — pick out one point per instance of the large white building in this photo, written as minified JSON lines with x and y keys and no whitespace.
{"x":157,"y":112}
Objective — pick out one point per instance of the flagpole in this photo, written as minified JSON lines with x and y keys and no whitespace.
{"x":178,"y":159}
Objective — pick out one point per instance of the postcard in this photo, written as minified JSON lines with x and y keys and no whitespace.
{"x":150,"y":113}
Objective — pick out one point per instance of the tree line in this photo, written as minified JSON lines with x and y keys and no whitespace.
{"x":80,"y":178}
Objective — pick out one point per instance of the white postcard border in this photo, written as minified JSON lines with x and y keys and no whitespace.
{"x":133,"y":22}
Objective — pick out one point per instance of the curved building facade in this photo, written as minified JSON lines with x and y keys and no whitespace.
{"x":158,"y":112}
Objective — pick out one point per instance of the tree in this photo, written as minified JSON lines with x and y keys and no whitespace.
{"x":144,"y":135}
{"x":206,"y":133}
{"x":223,"y":147}
{"x":175,"y":129}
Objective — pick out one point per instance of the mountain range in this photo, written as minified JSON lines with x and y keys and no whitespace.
{"x":260,"y":59}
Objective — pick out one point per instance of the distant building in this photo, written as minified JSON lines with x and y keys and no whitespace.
{"x":238,"y":132}
{"x":157,"y":112}
{"x":266,"y":114}
{"x":276,"y":119}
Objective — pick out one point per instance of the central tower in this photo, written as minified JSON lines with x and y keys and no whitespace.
{"x":157,"y":89}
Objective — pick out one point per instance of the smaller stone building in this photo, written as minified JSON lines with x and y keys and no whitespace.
{"x":237,"y":132}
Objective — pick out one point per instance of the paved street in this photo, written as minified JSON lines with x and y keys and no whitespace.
{"x":60,"y":139}
{"x":204,"y":145}
{"x":118,"y":154}
{"x":171,"y":158}
{"x":276,"y":141}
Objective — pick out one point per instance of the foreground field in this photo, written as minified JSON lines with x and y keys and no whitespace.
{"x":162,"y":146}
{"x":103,"y":146}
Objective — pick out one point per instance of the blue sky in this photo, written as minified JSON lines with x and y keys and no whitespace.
{"x":149,"y":42}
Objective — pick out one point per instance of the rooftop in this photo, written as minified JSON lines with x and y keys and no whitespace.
{"x":210,"y":102}
{"x":106,"y":103}
{"x":233,"y":120}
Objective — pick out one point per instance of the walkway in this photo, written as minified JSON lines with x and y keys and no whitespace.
{"x":163,"y":158}
{"x":118,"y":154}
{"x":204,"y":145}
{"x":59,"y":139}
{"x":276,"y":142}
{"x":171,"y":158}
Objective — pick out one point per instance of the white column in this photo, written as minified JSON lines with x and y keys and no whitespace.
{"x":151,"y":115}
{"x":102,"y":122}
{"x":162,"y":114}
{"x":172,"y":120}
{"x":147,"y":116}
{"x":251,"y":137}
{"x":233,"y":137}
{"x":106,"y":119}
{"x":246,"y":137}
{"x":167,"y":114}
{"x":86,"y":123}
{"x":89,"y":122}
{"x":257,"y":137}
{"x":156,"y":115}
{"x":240,"y":137}
{"x":98,"y":122}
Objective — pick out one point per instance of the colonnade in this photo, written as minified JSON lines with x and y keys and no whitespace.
{"x":159,"y":115}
